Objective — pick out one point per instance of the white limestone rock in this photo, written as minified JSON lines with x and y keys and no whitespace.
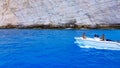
{"x":85,"y":12}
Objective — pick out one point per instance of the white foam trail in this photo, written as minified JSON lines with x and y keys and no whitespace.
{"x":92,"y":43}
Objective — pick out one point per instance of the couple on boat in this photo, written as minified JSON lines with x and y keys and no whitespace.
{"x":96,"y":37}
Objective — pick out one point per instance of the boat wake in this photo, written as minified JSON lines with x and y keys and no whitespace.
{"x":97,"y":44}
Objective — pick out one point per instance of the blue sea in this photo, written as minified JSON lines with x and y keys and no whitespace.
{"x":52,"y":48}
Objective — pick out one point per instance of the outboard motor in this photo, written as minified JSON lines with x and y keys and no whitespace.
{"x":108,"y":40}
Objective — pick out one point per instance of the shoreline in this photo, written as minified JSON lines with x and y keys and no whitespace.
{"x":65,"y":26}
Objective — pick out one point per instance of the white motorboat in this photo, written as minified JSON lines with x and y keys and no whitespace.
{"x":97,"y":43}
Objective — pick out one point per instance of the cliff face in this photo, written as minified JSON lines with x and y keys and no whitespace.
{"x":85,"y":12}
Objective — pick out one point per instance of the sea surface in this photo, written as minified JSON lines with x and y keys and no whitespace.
{"x":34,"y":48}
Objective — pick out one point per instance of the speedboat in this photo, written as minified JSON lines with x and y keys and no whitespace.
{"x":96,"y":43}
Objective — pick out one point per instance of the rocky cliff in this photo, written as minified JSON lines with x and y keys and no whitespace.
{"x":59,"y":12}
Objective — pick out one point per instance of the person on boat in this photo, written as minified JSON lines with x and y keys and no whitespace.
{"x":96,"y":37}
{"x":103,"y":37}
{"x":84,"y":36}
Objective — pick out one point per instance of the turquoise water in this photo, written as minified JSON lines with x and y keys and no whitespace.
{"x":54,"y":49}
